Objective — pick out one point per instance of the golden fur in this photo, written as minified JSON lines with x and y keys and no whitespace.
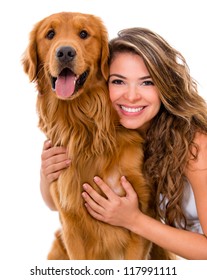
{"x":87,"y":125}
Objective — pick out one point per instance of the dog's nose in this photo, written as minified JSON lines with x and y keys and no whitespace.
{"x":65,"y":54}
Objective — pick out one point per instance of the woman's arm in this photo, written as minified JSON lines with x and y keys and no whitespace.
{"x":196,"y":172}
{"x":53,"y":161}
{"x":123,"y":211}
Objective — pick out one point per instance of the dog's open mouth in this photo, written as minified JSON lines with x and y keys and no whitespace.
{"x":67,"y":83}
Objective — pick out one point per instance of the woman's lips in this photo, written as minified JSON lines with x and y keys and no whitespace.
{"x":131,"y":110}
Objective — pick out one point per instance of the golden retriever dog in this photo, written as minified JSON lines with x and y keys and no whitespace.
{"x":67,"y":58}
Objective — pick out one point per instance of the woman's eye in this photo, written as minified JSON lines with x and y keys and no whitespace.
{"x":117,"y":82}
{"x":148,"y":83}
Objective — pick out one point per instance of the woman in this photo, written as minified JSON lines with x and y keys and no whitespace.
{"x":152,"y":91}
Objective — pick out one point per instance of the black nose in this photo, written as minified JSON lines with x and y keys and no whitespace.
{"x":65,"y":54}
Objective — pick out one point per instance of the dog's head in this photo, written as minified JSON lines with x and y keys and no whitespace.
{"x":67,"y":51}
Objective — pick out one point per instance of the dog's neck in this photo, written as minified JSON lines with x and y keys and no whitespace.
{"x":77,"y":122}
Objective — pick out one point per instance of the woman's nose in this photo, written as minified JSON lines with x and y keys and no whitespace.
{"x":132,"y":93}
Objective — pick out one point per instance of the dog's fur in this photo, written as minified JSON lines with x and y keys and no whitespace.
{"x":85,"y":122}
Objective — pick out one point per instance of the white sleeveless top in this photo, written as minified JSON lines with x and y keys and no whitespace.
{"x":189,"y":209}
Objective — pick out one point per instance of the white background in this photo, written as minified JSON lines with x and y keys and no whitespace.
{"x":27,"y":225}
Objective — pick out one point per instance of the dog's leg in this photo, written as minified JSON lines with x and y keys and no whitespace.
{"x":138,"y":248}
{"x":74,"y":242}
{"x":69,"y":243}
{"x":58,"y":251}
{"x":158,"y":253}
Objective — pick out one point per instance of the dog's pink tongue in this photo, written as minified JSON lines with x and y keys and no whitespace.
{"x":65,"y":85}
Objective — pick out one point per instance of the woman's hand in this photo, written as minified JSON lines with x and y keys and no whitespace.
{"x":115,"y":210}
{"x":53,"y":161}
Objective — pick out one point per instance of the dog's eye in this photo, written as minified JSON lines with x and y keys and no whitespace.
{"x":83,"y":34}
{"x":50,"y":34}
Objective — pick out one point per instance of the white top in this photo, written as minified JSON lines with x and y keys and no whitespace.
{"x":190,"y":211}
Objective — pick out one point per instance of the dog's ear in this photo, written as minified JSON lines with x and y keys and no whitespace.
{"x":104,"y":53}
{"x":29,"y":58}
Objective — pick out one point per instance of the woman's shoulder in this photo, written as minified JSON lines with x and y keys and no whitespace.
{"x":196,"y":173}
{"x":196,"y":168}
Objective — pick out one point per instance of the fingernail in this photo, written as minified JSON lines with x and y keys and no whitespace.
{"x":68,"y":161}
{"x":84,"y":186}
{"x":84,"y":194}
{"x":96,"y":179}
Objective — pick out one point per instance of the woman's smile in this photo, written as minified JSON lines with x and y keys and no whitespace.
{"x":132,"y":91}
{"x":131,"y":110}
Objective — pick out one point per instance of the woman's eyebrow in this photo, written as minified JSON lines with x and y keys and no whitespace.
{"x":123,"y":77}
{"x":117,"y":75}
{"x":145,"y":77}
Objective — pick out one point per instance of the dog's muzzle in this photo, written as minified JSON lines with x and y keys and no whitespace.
{"x":67,"y":83}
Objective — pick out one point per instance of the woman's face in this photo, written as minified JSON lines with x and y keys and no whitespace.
{"x":132,"y":91}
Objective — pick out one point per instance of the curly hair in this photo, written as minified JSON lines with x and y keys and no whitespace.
{"x":169,"y":142}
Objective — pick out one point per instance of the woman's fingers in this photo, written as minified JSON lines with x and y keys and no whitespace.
{"x":55,"y":163}
{"x":94,"y":214}
{"x":92,"y":203}
{"x":95,"y":203}
{"x":47,"y":144}
{"x":115,"y":209}
{"x":53,"y":151}
{"x":127,"y":187}
{"x":94,"y":199}
{"x":105,"y":188}
{"x":53,"y":160}
{"x":52,"y":166}
{"x":53,"y":176}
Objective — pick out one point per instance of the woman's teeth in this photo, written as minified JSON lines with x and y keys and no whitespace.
{"x":131,"y":110}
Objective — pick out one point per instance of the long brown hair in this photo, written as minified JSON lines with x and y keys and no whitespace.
{"x":170,"y":138}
